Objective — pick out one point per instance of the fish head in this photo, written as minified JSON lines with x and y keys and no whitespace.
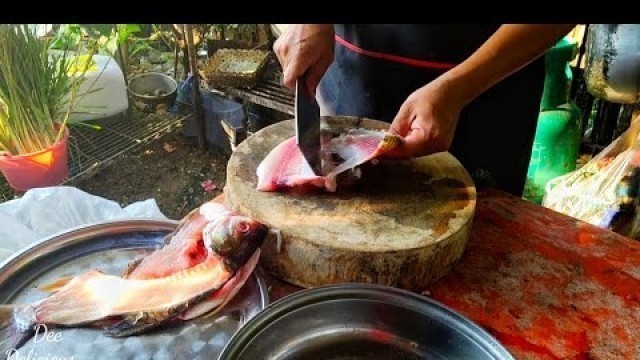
{"x":235,"y":238}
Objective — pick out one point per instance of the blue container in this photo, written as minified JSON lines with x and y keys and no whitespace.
{"x":216,"y":109}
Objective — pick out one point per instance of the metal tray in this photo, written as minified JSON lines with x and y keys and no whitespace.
{"x":361,"y":321}
{"x":110,"y":247}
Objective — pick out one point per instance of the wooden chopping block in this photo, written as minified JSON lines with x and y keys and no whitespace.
{"x":404,"y":224}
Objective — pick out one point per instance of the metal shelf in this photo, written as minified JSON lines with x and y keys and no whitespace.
{"x":268,"y":94}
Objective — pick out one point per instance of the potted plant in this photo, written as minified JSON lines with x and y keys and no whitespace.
{"x":38,"y":91}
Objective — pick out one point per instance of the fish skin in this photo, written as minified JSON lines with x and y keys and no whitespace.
{"x":92,"y":299}
{"x":217,"y":301}
{"x":285,"y":168}
{"x":140,"y":322}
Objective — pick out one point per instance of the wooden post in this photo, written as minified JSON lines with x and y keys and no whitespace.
{"x":197,"y":101}
{"x":175,"y":62}
{"x":123,"y":62}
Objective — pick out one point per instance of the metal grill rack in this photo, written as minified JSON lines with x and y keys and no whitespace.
{"x":91,"y":149}
{"x":268,"y":93}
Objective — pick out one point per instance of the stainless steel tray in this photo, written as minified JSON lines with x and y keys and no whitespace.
{"x":110,"y":247}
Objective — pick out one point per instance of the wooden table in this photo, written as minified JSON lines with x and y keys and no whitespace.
{"x":545,"y":285}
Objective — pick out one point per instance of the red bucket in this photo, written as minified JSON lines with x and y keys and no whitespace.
{"x":44,"y":168}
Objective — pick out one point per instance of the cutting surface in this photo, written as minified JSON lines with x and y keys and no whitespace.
{"x":404,"y":223}
{"x":545,"y":285}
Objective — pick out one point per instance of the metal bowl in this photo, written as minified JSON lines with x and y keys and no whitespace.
{"x":153,"y":89}
{"x":360,"y":321}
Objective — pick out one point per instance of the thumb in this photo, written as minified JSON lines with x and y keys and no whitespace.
{"x":295,"y":69}
{"x":412,"y":145}
{"x":401,"y":124}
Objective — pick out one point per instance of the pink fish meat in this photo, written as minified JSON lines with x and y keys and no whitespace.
{"x":185,"y":247}
{"x":285,"y":167}
{"x":220,"y":298}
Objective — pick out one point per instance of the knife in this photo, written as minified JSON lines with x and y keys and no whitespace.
{"x":307,"y":113}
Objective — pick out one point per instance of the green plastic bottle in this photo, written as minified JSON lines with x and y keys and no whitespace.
{"x":557,"y":141}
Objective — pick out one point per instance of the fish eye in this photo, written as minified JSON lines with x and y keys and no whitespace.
{"x":242,"y":227}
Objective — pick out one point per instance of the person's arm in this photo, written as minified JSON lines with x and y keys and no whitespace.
{"x":428,"y":118}
{"x":509,"y":49}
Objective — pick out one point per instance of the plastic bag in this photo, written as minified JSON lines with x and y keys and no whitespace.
{"x":604,"y":191}
{"x":43,"y":212}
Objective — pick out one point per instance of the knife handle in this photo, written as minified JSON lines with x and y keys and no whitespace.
{"x":302,"y":83}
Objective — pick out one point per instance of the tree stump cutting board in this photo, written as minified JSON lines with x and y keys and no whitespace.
{"x":404,"y":224}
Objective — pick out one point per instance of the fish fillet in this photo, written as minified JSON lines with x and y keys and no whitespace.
{"x":285,"y":167}
{"x":94,"y":295}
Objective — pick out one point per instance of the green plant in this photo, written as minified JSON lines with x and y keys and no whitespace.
{"x":234,"y":31}
{"x":68,"y":36}
{"x":104,"y":37}
{"x":38,"y":90}
{"x":139,"y":46}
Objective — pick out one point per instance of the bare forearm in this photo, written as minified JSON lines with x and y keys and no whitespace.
{"x":508,"y":50}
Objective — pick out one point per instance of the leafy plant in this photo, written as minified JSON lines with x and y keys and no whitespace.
{"x":38,"y":90}
{"x":105,"y":36}
{"x":69,"y":36}
{"x":139,"y":46}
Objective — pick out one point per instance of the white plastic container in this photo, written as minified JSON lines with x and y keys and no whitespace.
{"x":103,"y":93}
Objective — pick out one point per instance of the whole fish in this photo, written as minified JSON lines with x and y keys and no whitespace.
{"x":285,"y":167}
{"x":126,"y":306}
{"x":185,"y":248}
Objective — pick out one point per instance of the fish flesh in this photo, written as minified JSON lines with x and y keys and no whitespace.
{"x":285,"y":167}
{"x":130,"y":305}
{"x":209,"y":306}
{"x":185,"y":246}
{"x":219,"y":299}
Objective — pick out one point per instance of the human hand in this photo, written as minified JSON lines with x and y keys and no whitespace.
{"x":305,"y":49}
{"x":427,"y":120}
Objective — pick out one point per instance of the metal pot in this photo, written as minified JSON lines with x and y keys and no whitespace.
{"x":151,"y":89}
{"x":360,"y":321}
{"x":612,"y":69}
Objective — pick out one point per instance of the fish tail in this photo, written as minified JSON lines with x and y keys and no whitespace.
{"x":16,"y":327}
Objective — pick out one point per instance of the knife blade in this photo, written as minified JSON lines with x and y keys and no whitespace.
{"x":307,"y":114}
